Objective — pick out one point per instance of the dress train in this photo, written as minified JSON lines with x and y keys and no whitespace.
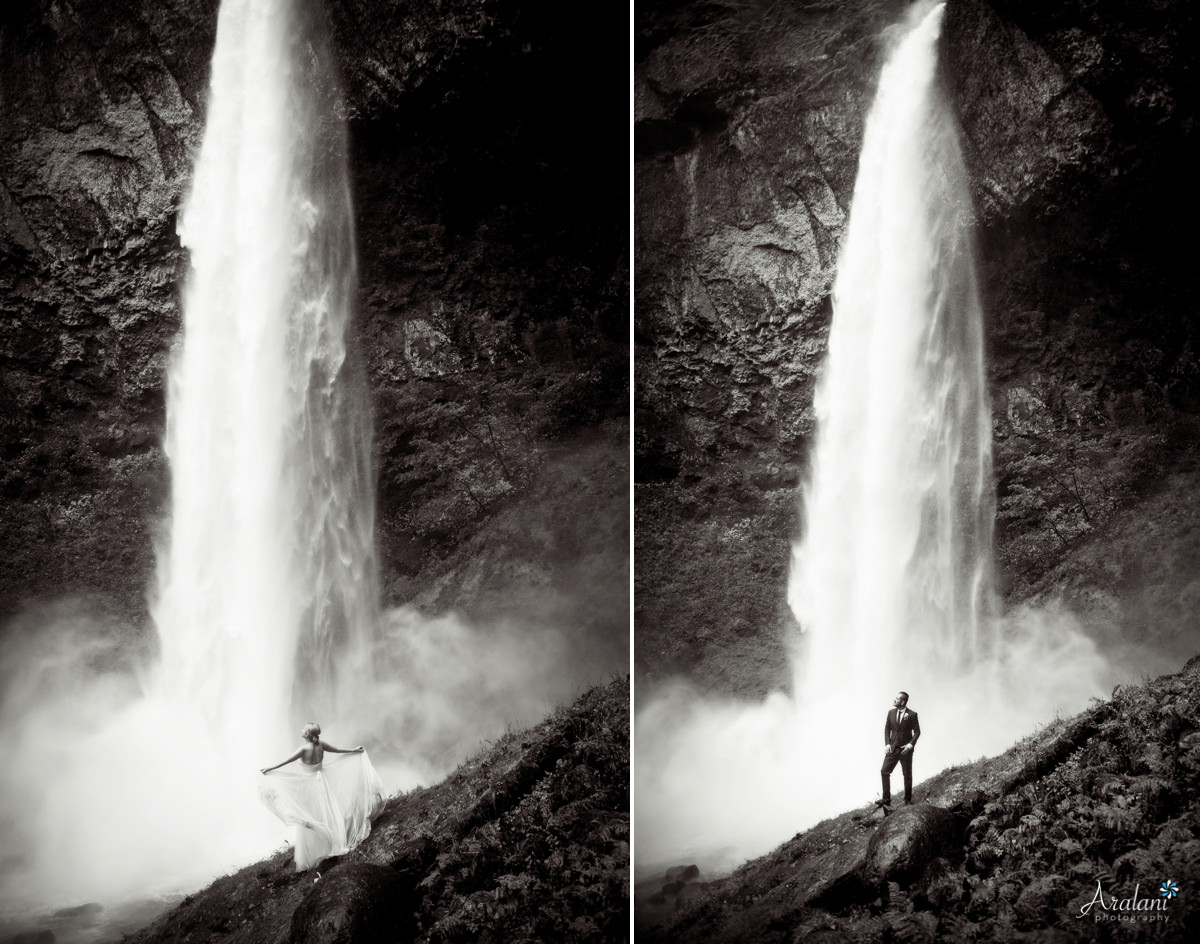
{"x":329,"y":805}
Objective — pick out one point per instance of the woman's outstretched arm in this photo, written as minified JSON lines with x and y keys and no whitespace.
{"x":339,"y":750}
{"x":284,"y":762}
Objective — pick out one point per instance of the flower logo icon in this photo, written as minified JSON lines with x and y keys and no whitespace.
{"x":1169,"y":889}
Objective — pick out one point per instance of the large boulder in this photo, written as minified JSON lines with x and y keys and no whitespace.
{"x":909,"y":840}
{"x":352,"y":904}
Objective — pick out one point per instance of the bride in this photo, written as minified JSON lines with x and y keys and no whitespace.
{"x":330,"y":800}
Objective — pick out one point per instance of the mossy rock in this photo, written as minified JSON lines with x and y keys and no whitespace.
{"x":908,"y":840}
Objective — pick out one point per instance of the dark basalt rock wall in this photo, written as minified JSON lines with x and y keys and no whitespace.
{"x":1078,"y":127}
{"x":1080,"y":136}
{"x":101,"y":106}
{"x":492,"y":237}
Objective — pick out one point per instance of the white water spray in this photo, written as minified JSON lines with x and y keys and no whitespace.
{"x":892,"y":581}
{"x":894,"y":571}
{"x":267,"y":589}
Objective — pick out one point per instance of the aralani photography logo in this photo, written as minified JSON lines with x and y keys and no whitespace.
{"x":1137,"y":907}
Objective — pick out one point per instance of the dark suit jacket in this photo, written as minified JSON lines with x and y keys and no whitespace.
{"x":897,"y":733}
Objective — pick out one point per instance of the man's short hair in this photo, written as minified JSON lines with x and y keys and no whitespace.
{"x":905,"y":694}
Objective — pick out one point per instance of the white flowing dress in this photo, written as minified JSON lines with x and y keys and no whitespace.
{"x":329,"y":805}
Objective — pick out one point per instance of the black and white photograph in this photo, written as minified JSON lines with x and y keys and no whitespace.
{"x":916,"y":416}
{"x":314,"y":482}
{"x":508,"y":471}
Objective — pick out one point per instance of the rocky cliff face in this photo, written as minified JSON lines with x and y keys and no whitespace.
{"x":493,"y":302}
{"x":1080,"y":143}
{"x":1078,"y":128}
{"x":101,"y":108}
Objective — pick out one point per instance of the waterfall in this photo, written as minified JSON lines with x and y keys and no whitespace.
{"x":891,"y":582}
{"x":892,"y":579}
{"x":266,"y":596}
{"x":268,"y":578}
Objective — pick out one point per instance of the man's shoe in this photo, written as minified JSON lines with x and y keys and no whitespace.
{"x":908,"y":802}
{"x":886,"y":801}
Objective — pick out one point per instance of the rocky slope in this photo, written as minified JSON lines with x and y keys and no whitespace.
{"x":527,"y":840}
{"x":1078,"y":126}
{"x":493,"y":297}
{"x":1011,"y":848}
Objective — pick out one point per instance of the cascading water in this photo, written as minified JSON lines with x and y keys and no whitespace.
{"x":267,"y":589}
{"x":892,"y":581}
{"x":270,"y":568}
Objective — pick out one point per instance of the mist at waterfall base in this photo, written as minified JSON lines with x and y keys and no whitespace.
{"x":719,"y":781}
{"x":131,"y":769}
{"x":115,"y":791}
{"x":891,"y":583}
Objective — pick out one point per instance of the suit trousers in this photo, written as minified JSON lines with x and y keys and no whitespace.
{"x":890,"y":759}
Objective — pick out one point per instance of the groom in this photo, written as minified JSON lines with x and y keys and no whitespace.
{"x":900,"y":733}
